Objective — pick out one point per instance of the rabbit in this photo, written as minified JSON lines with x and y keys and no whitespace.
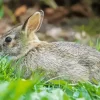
{"x":67,"y":60}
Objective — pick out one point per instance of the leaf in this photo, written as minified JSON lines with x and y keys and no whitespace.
{"x":1,"y":9}
{"x":21,"y":10}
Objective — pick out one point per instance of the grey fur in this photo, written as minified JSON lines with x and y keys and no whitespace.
{"x":66,"y":59}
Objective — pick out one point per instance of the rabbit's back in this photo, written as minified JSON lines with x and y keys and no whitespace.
{"x":66,"y":59}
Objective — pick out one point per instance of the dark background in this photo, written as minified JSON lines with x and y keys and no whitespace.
{"x":68,"y":20}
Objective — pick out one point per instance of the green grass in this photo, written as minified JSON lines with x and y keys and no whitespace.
{"x":95,"y":44}
{"x":13,"y":87}
{"x":1,"y":9}
{"x":92,"y":28}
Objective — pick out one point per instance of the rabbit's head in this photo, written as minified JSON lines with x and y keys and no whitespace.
{"x":20,"y":39}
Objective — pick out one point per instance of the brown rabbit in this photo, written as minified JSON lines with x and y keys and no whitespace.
{"x":65,"y":59}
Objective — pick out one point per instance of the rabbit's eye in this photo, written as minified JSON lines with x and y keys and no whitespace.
{"x":8,"y":39}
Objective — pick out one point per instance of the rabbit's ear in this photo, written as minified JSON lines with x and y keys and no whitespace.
{"x":33,"y":23}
